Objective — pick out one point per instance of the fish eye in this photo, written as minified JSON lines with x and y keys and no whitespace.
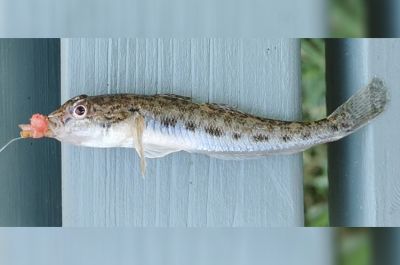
{"x":80,"y":111}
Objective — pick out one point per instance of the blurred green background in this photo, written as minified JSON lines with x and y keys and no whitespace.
{"x":315,"y":159}
{"x":347,"y":19}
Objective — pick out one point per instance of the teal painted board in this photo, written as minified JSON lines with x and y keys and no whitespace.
{"x":386,"y":242}
{"x":30,"y":170}
{"x":123,"y":246}
{"x":383,"y":18}
{"x":104,"y":187}
{"x":364,"y":167}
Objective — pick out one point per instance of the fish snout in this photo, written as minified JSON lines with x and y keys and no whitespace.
{"x":59,"y":116}
{"x":55,"y":124}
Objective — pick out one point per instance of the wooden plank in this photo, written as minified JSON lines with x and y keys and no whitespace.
{"x":168,"y":246}
{"x":30,"y":178}
{"x":104,"y":187}
{"x":363,"y":168}
{"x":160,"y":18}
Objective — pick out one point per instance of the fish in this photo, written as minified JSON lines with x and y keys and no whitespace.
{"x":161,"y":124}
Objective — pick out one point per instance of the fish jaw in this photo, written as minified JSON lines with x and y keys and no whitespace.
{"x":56,"y":122}
{"x":89,"y":133}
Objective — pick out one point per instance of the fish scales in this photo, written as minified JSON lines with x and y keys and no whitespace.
{"x":212,"y":128}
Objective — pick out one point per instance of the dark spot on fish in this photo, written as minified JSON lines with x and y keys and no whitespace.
{"x":190,"y":126}
{"x":241,"y":114}
{"x":260,"y":118}
{"x":109,"y":115}
{"x":236,"y":136}
{"x":66,"y":120}
{"x":114,"y":107}
{"x":286,"y":138}
{"x":214,"y":131}
{"x":115,"y":117}
{"x":133,"y":110}
{"x":227,"y":120}
{"x":106,"y":125}
{"x":260,"y":138}
{"x":306,"y":135}
{"x":334,"y":128}
{"x":169,"y":121}
{"x":344,"y":124}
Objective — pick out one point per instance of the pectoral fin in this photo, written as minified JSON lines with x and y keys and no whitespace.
{"x":138,"y":129}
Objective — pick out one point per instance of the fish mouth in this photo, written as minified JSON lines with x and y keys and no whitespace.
{"x":55,"y":124}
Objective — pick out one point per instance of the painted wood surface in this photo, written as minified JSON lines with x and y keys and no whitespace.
{"x":123,"y":246}
{"x":30,"y":170}
{"x":104,"y":187}
{"x":364,"y":168}
{"x":158,"y":18}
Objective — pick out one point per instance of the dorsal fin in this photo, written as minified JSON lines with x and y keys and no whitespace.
{"x":221,"y":106}
{"x":173,"y":96}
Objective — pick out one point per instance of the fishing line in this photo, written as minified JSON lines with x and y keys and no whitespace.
{"x":10,"y":142}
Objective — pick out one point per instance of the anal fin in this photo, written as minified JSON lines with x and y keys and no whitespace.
{"x":155,"y":151}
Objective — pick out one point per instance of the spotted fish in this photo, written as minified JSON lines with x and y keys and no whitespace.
{"x":157,"y":125}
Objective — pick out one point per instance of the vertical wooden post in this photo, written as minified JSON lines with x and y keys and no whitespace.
{"x":104,"y":187}
{"x":30,"y":178}
{"x":364,"y":168}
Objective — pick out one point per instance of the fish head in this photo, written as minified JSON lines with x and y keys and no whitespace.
{"x":70,"y":119}
{"x":88,"y":121}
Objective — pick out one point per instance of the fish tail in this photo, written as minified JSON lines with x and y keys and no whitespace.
{"x":361,"y":108}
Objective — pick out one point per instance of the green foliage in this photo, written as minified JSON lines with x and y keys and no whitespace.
{"x":315,"y":159}
{"x":354,"y":246}
{"x":348,"y":18}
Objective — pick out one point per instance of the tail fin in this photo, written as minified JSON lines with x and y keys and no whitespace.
{"x":361,"y":107}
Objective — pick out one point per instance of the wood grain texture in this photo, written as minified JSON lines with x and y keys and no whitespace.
{"x":364,"y":167}
{"x":104,"y":188}
{"x":30,"y":170}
